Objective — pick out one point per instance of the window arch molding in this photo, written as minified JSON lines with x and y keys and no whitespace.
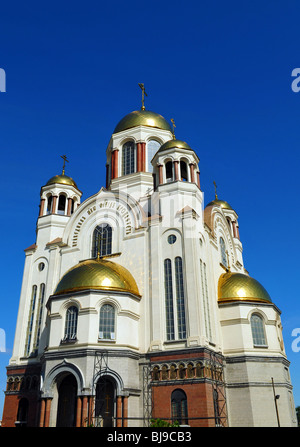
{"x":258,"y":321}
{"x":108,"y":300}
{"x":64,"y":307}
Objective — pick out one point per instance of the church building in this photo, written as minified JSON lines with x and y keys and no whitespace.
{"x":136,"y":305}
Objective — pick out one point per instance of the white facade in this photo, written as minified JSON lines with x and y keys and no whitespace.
{"x":144,"y":209}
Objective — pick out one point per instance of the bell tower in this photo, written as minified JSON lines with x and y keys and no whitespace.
{"x":60,"y":197}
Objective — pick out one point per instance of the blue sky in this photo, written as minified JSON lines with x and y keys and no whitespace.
{"x":222,"y":70}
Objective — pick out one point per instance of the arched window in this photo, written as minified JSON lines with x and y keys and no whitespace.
{"x":128,"y":158}
{"x":223,"y":252}
{"x":179,"y":407}
{"x":102,"y":240}
{"x":164,"y":372}
{"x":49,"y":204}
{"x":182,"y":371}
{"x":180,"y":298}
{"x":190,"y":371}
{"x":152,"y":148}
{"x":169,"y":300}
{"x":183,"y":171}
{"x":39,"y":316}
{"x":30,"y":320}
{"x":71,"y":323}
{"x":156,"y":373}
{"x":61,"y":208}
{"x":258,"y":332}
{"x":169,"y":171}
{"x":107,"y":322}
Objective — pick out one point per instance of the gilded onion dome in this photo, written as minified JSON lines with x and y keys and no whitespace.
{"x":240,"y":287}
{"x":222,"y":203}
{"x":142,"y":118}
{"x":174,"y":144}
{"x":97,"y":274}
{"x":62,"y":179}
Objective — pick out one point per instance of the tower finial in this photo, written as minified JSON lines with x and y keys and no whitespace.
{"x":173,"y":122}
{"x":64,"y":157}
{"x":216,"y":197}
{"x":143,"y":95}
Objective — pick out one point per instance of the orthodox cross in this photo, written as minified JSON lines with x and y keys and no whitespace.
{"x":143,"y":95}
{"x":64,"y":157}
{"x":173,"y":123}
{"x":215,"y":190}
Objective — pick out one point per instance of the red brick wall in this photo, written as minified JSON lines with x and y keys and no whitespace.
{"x":199,"y":401}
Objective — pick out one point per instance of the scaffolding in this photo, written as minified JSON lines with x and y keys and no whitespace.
{"x":147,"y":395}
{"x":218,"y":385}
{"x":99,"y":387}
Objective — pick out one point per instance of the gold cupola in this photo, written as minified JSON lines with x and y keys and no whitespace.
{"x":174,"y":143}
{"x":97,"y":274}
{"x":142,"y":118}
{"x":234,"y":286}
{"x":217,"y":202}
{"x":63,"y":180}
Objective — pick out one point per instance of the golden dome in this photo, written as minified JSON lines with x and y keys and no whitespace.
{"x":173,"y":144}
{"x":222,"y":203}
{"x":99,"y":274}
{"x":142,"y":118}
{"x":239,"y":287}
{"x":62,"y":179}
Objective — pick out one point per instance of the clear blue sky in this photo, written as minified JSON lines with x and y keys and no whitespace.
{"x":222,"y":70}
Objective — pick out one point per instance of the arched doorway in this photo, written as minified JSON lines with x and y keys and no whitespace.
{"x":67,"y":398}
{"x":105,"y":402}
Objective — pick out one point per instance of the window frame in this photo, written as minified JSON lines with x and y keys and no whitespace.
{"x":105,"y":230}
{"x":105,"y":322}
{"x":261,"y":329}
{"x":128,"y":158}
{"x":71,"y":324}
{"x":179,"y":406}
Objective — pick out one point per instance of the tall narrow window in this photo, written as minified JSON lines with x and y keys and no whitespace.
{"x":169,"y":300}
{"x":179,"y":407}
{"x":169,"y":171}
{"x":205,"y":298}
{"x":180,"y":298}
{"x":102,"y":240}
{"x":39,"y":316}
{"x":107,"y":322}
{"x":61,"y":208}
{"x":49,"y":205}
{"x":152,"y":148}
{"x":30,"y":320}
{"x":71,"y":323}
{"x":183,"y":171}
{"x":128,"y":157}
{"x":223,"y":252}
{"x":258,"y":332}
